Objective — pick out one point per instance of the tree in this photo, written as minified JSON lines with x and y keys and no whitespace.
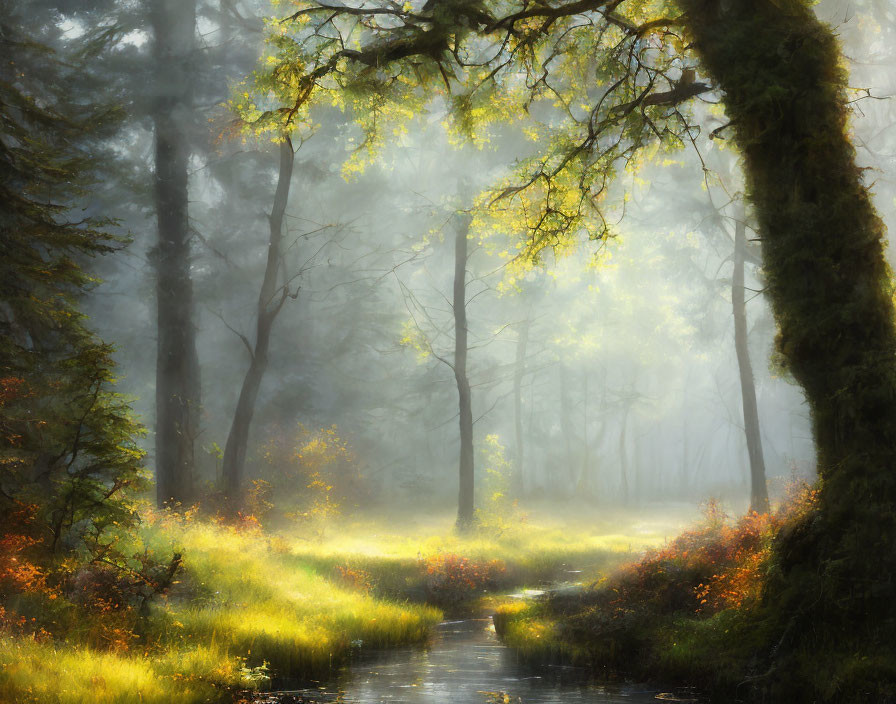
{"x":777,"y":69}
{"x":519,"y":372}
{"x":829,"y":287}
{"x":466,"y":510}
{"x":271,"y":299}
{"x":416,"y":337}
{"x":69,"y":455}
{"x":758,"y":486}
{"x":177,"y":372}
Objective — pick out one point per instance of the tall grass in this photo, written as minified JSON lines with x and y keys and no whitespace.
{"x":45,"y":673}
{"x":294,"y":602}
{"x":244,"y":593}
{"x":536,"y":550}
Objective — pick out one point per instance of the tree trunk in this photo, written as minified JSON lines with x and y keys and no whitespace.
{"x":623,"y":459}
{"x":566,"y":430}
{"x":519,"y":373}
{"x":585,"y":486}
{"x":822,"y":244}
{"x":465,"y":503}
{"x":270,"y":303}
{"x":758,"y":487}
{"x":177,"y":364}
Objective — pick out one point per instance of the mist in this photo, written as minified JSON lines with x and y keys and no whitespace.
{"x":330,"y":327}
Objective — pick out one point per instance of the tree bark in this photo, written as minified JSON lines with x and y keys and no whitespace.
{"x":466,"y":509}
{"x":270,"y":303}
{"x":519,"y":373}
{"x":832,"y":594}
{"x":758,"y":485}
{"x":177,"y":363}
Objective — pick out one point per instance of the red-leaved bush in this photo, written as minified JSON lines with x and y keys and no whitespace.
{"x":451,"y":579}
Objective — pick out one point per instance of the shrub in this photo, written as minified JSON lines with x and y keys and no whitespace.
{"x":497,"y":511}
{"x":314,"y":470}
{"x":451,"y":579}
{"x":687,"y":611}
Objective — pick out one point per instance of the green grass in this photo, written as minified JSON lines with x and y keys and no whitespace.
{"x":44,"y":673}
{"x":539,"y":549}
{"x":247,"y":598}
{"x":248,"y":595}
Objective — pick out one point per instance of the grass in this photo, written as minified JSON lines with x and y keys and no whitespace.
{"x":536,"y":550}
{"x":295,"y":601}
{"x":45,"y":673}
{"x":249,"y":595}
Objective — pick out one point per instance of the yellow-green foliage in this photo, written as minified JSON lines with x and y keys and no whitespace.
{"x":242,"y":601}
{"x":531,"y":634}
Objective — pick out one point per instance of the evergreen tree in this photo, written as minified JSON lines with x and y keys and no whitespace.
{"x":68,"y":449}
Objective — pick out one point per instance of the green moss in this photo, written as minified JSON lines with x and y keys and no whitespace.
{"x":784,"y":86}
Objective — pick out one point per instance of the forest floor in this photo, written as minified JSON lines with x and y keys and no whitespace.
{"x":298,"y":601}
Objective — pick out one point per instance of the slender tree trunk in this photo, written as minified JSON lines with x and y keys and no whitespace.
{"x":519,"y":373}
{"x":758,"y":486}
{"x":832,"y":594}
{"x":465,"y":504}
{"x":270,"y":302}
{"x":623,"y":459}
{"x":566,"y":430}
{"x":177,"y":363}
{"x":582,"y":485}
{"x":684,"y":477}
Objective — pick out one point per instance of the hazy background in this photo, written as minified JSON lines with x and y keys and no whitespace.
{"x":630,"y":363}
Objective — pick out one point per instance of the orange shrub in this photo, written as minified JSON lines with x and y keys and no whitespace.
{"x":18,"y":573}
{"x":715,"y":566}
{"x":355,"y":577}
{"x":450,"y":578}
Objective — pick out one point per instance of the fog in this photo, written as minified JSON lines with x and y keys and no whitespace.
{"x":445,"y":351}
{"x":628,"y":383}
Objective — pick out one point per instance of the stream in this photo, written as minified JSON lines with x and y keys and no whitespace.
{"x":463,"y":663}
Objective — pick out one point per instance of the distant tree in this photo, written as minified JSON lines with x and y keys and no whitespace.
{"x":68,"y":441}
{"x":466,"y":510}
{"x":517,"y":483}
{"x":778,"y":70}
{"x":271,"y":298}
{"x":758,"y":483}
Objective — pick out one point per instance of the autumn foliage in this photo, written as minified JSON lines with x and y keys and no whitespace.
{"x":313,"y":471}
{"x":451,"y":579}
{"x":675,"y":611}
{"x":717,"y":565}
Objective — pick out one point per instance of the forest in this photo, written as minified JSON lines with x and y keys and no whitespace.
{"x":447,"y":351}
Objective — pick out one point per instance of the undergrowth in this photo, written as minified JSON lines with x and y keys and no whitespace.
{"x":244,"y":604}
{"x":688,"y":612}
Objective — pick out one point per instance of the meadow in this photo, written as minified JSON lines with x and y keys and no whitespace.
{"x":249,"y":604}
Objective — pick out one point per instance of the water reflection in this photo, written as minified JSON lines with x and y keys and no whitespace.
{"x":465,"y":664}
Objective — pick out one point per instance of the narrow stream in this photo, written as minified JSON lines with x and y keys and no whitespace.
{"x":464,"y":663}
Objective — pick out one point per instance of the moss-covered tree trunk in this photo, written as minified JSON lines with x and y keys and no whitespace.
{"x":780,"y":70}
